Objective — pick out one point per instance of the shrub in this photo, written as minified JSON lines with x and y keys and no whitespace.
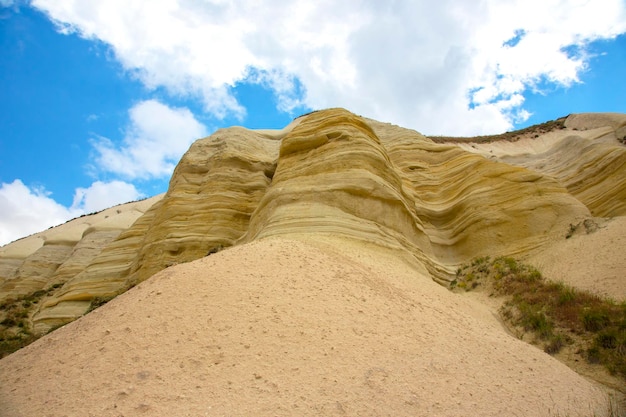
{"x":555,"y":344}
{"x":607,"y":339}
{"x":566,"y":294}
{"x":594,"y":320}
{"x":532,"y":318}
{"x":593,"y":354}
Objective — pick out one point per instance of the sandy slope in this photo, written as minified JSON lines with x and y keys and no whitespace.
{"x":290,"y":327}
{"x":592,"y":260}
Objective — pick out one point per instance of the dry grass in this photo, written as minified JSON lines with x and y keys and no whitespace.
{"x":555,"y":313}
{"x":15,"y":327}
{"x":531,"y":131}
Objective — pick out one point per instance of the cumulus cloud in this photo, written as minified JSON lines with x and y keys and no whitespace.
{"x":154,"y":142}
{"x":26,"y":210}
{"x":451,"y":65}
{"x":101,"y":195}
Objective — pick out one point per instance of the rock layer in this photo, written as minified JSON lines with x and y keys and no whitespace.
{"x":213,"y":191}
{"x":333,"y":173}
{"x":587,"y":157}
{"x":58,"y":255}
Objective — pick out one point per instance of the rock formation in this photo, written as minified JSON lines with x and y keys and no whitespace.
{"x":355,"y":195}
{"x":58,"y":254}
{"x":334,"y":173}
{"x":584,"y":156}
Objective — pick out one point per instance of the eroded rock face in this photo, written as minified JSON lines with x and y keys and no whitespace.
{"x":587,"y":157}
{"x":336,"y":174}
{"x":213,"y":192}
{"x":470,"y":205}
{"x":58,"y":255}
{"x":36,"y":270}
{"x":340,"y":174}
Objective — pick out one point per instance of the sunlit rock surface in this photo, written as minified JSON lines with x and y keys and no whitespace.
{"x":58,"y":255}
{"x":336,"y":174}
{"x":587,"y":157}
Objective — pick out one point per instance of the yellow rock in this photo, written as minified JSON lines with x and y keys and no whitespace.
{"x":587,"y":157}
{"x":60,"y":254}
{"x":334,"y":174}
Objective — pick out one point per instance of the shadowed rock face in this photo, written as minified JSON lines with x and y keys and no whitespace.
{"x":334,"y":173}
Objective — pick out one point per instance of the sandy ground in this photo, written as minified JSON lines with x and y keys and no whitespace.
{"x":592,"y":260}
{"x":283,"y":327}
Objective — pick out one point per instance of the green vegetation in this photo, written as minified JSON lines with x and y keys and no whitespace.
{"x":556,"y":314}
{"x":15,"y":327}
{"x":15,"y":331}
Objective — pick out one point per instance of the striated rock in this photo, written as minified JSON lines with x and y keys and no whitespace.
{"x":105,"y":277}
{"x":334,"y":174}
{"x":214,"y":189}
{"x":84,"y":252}
{"x":335,"y":177}
{"x":57,"y":255}
{"x":587,"y":157}
{"x":339,"y":174}
{"x":472,"y":206}
{"x":35,"y":272}
{"x":213,"y":192}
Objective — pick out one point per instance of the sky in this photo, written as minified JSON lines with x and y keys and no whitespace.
{"x":100,"y":99}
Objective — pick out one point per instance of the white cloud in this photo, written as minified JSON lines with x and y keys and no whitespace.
{"x":447,"y":66}
{"x":27,"y":210}
{"x":101,"y":195}
{"x":24,"y":211}
{"x":155,"y":140}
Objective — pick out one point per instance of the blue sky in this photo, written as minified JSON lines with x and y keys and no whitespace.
{"x":98,"y":100}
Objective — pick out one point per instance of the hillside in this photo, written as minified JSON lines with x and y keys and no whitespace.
{"x":331,"y":243}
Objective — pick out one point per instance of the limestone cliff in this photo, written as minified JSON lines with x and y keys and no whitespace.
{"x":332,"y":173}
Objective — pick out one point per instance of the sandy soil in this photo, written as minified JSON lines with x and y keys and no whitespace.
{"x":592,"y":259}
{"x":283,"y":327}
